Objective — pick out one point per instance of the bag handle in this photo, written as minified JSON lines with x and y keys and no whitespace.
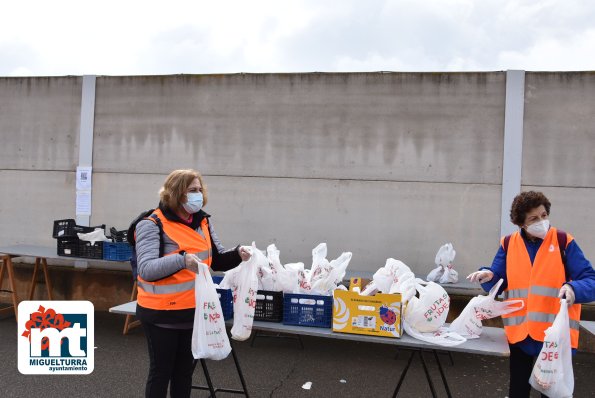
{"x":495,"y":288}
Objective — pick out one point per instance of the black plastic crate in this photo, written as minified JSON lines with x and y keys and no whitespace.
{"x":74,"y":247}
{"x":68,"y":229}
{"x":119,"y":236}
{"x":68,"y":247}
{"x":117,"y":251}
{"x":269,"y":306}
{"x":308,"y":310}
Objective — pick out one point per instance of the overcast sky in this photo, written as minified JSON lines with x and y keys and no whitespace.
{"x":58,"y":37}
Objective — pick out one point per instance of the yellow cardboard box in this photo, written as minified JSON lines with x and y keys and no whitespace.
{"x":378,"y":315}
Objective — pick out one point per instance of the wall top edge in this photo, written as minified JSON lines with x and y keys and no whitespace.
{"x":313,"y":73}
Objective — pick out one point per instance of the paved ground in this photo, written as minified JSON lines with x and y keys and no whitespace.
{"x":272,"y":368}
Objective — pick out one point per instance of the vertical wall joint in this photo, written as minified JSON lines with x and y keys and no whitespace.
{"x":512,"y":162}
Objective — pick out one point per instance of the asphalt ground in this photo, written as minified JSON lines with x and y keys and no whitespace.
{"x":272,"y":367}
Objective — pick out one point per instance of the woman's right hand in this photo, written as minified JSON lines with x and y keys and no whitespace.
{"x":191,"y":262}
{"x":482,"y":276}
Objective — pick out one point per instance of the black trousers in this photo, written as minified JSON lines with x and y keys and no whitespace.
{"x":521,"y":366}
{"x":171,"y":362}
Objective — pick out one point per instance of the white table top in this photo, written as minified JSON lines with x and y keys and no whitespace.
{"x":589,"y":326}
{"x":492,"y":341}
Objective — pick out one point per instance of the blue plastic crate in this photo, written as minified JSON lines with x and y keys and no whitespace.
{"x":117,"y":251}
{"x":308,"y":310}
{"x":225,"y":298}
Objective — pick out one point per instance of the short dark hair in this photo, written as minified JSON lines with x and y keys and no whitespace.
{"x":524,"y":203}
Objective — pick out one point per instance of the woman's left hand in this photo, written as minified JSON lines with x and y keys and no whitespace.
{"x":567,"y":292}
{"x":244,"y":253}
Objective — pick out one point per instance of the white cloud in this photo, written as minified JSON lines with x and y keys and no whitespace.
{"x":554,"y":55}
{"x":185,"y":36}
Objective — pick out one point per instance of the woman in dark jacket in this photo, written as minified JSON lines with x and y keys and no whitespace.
{"x":170,"y":244}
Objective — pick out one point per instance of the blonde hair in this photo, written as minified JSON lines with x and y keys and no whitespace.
{"x":173,"y":192}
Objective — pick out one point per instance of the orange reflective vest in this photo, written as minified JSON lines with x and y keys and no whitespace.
{"x":176,"y":292}
{"x":538,"y":286}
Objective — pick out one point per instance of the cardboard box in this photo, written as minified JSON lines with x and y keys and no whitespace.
{"x":378,"y":315}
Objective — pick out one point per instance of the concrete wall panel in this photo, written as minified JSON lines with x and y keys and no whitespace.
{"x":39,"y":123}
{"x":572,"y":211}
{"x":374,"y":220}
{"x":31,"y":201}
{"x":384,"y":126}
{"x":559,"y":136}
{"x":119,"y":198}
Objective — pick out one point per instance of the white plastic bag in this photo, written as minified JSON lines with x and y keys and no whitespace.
{"x":435,"y":274}
{"x":244,"y":295}
{"x":428,"y":312}
{"x":329,"y":281}
{"x":209,"y":337}
{"x":318,"y":259}
{"x":444,"y":271}
{"x":442,"y":336}
{"x":468,"y":323}
{"x":285,"y":280}
{"x":552,"y":373}
{"x":394,"y":277}
{"x":424,"y":317}
{"x":98,"y":235}
{"x":302,"y":277}
{"x":267,"y":277}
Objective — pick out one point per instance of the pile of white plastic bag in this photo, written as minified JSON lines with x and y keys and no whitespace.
{"x":265,"y":272}
{"x":444,"y":271}
{"x":394,"y":277}
{"x":324,"y":276}
{"x":426,"y":304}
{"x":321,"y":279}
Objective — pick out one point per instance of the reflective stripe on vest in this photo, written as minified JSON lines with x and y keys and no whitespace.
{"x":537,"y":317}
{"x":545,"y":291}
{"x":203,"y":255}
{"x":515,"y":293}
{"x":538,"y":285}
{"x":524,"y":293}
{"x":166,"y":289}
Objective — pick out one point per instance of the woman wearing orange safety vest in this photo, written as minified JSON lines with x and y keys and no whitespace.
{"x":170,"y":244}
{"x":537,"y":268}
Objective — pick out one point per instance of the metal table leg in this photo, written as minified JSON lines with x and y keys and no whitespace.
{"x":235,"y":359}
{"x":214,"y":390}
{"x":426,"y":371}
{"x":403,"y":373}
{"x":208,"y":377}
{"x":423,"y":362}
{"x":442,"y":374}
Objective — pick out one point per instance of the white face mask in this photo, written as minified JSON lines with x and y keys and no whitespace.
{"x":539,"y":229}
{"x":194,"y":203}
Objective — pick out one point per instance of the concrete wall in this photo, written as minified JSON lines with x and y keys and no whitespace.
{"x":380,"y":164}
{"x":39,"y":133}
{"x":559,"y":149}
